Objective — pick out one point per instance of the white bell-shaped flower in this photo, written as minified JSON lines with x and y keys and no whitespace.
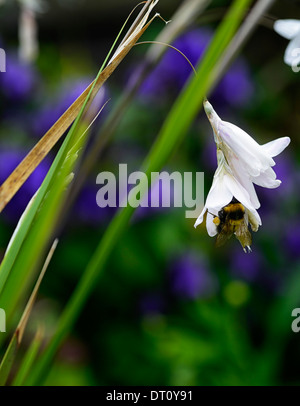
{"x":249,"y":162}
{"x":224,"y":189}
{"x":232,"y":201}
{"x":290,"y":29}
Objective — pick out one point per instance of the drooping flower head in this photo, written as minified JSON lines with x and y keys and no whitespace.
{"x":232,"y":202}
{"x":290,"y":29}
{"x":226,"y":189}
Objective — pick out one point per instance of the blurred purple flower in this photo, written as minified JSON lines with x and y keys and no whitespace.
{"x":86,"y":209}
{"x":236,"y":87}
{"x":291,"y":239}
{"x":9,"y":160}
{"x":247,"y":267}
{"x":50,"y":113}
{"x":190,"y":277}
{"x":157,"y":194}
{"x":172,"y":72}
{"x":209,"y":155}
{"x":18,"y":81}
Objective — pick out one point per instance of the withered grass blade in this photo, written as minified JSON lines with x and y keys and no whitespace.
{"x":14,"y":182}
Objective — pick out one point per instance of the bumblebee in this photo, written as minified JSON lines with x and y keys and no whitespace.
{"x":231,"y":220}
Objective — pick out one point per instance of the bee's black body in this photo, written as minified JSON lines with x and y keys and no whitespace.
{"x":231,"y":220}
{"x":233,"y":213}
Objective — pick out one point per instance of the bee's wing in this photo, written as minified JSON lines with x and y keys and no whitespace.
{"x":224,"y":235}
{"x":243,"y":234}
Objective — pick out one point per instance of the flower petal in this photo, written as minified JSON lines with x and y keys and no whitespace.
{"x":243,"y":178}
{"x":218,"y":196}
{"x":200,"y":218}
{"x":275,"y":147}
{"x":248,"y":185}
{"x":210,"y":225}
{"x":254,"y":220}
{"x":292,"y":53}
{"x":245,"y":148}
{"x":267,"y":179}
{"x":242,"y":196}
{"x":237,"y":191}
{"x":287,"y":28}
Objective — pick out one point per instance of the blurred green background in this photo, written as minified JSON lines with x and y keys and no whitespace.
{"x":170,"y":308}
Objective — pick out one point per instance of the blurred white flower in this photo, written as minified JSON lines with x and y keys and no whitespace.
{"x":290,"y":29}
{"x":28,"y":35}
{"x":28,"y":28}
{"x":34,"y":5}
